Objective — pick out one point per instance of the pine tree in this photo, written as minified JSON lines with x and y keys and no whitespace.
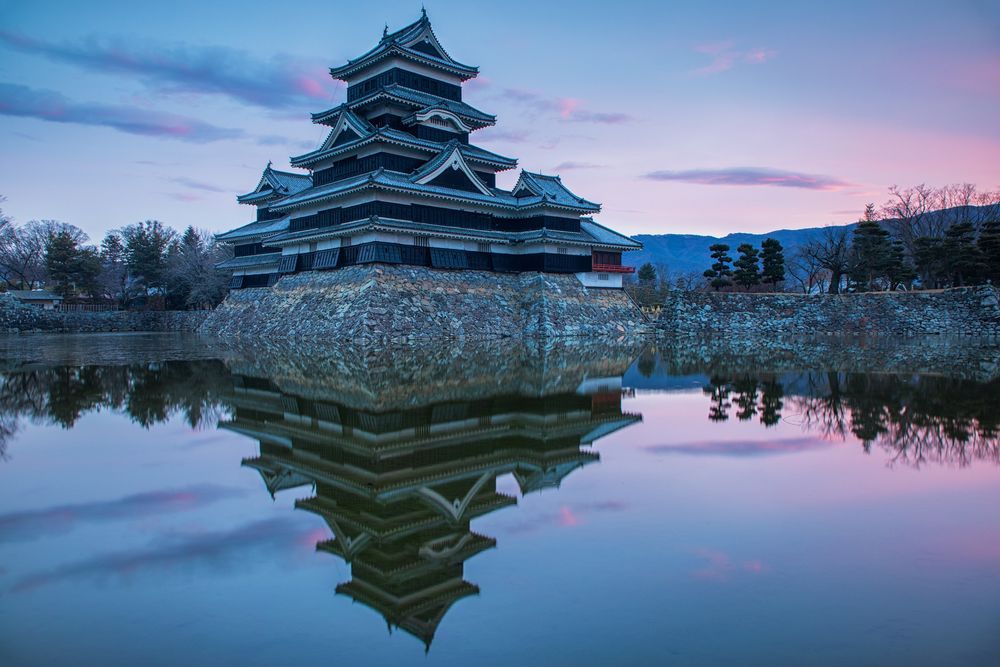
{"x":721,"y":272}
{"x":747,"y":273}
{"x":901,"y":271}
{"x":647,"y":273}
{"x":962,"y":259}
{"x":773,"y":257}
{"x":930,"y":260}
{"x":872,"y":254}
{"x":989,"y":249}
{"x":60,"y":255}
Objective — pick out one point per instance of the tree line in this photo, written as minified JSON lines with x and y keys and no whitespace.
{"x":921,"y":238}
{"x":142,"y":265}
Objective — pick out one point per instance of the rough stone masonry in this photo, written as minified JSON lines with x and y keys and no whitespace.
{"x":402,"y":303}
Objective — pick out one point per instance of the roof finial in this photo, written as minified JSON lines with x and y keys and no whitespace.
{"x":268,"y":164}
{"x":385,"y":31}
{"x":423,"y":11}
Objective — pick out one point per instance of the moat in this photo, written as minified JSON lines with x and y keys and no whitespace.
{"x":164,"y":500}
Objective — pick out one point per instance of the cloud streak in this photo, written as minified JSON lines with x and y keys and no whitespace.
{"x":222,"y":551}
{"x":17,"y":100}
{"x":58,"y":519}
{"x":567,"y":109}
{"x":281,"y":82}
{"x":750,"y":176}
{"x":725,"y":56}
{"x":570,"y":166}
{"x":741,"y":448}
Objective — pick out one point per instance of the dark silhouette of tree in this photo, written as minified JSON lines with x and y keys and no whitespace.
{"x":989,"y":249}
{"x":647,"y":273}
{"x":962,"y":259}
{"x":872,"y":253}
{"x":831,"y":250}
{"x":720,"y":274}
{"x":747,"y":270}
{"x":773,"y":260}
{"x":718,"y":389}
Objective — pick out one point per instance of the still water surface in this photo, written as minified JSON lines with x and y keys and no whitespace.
{"x":163,"y":503}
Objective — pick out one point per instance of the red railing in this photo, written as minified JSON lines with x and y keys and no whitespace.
{"x":612,"y":268}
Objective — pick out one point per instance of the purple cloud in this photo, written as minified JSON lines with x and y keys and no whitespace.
{"x":196,"y":185}
{"x":218,"y":551}
{"x":569,"y":166}
{"x":17,"y":100}
{"x":750,"y":176}
{"x":279,"y":83}
{"x":569,"y":109}
{"x":59,"y":519}
{"x":725,"y":56}
{"x":741,"y":448}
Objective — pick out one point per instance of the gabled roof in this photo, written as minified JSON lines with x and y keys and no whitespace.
{"x":400,"y":182}
{"x":449,"y":159}
{"x":421,"y":101}
{"x":416,"y":42}
{"x":551,"y":189}
{"x":274,"y":184}
{"x":401,"y":138}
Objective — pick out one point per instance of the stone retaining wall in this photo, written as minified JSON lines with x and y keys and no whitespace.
{"x":402,"y":303}
{"x":16,"y":317}
{"x":966,"y":311}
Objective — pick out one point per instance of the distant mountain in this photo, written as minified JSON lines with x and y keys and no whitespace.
{"x":686,"y":253}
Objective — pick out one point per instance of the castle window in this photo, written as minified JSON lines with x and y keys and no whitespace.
{"x":483,"y":247}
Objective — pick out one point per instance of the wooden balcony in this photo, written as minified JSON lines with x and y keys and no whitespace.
{"x":611,"y":268}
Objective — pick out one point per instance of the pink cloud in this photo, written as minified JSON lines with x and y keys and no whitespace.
{"x":725,"y":56}
{"x":720,"y":566}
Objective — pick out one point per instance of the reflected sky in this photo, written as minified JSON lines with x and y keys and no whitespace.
{"x":572,"y":507}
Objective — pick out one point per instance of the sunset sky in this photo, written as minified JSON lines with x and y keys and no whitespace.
{"x":686,"y":117}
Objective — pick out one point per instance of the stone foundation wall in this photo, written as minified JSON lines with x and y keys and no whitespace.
{"x":967,"y":311}
{"x":402,"y":303}
{"x":16,"y":317}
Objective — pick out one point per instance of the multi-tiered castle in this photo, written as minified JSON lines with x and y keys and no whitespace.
{"x":396,"y":181}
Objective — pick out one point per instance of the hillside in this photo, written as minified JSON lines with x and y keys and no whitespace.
{"x":686,"y":253}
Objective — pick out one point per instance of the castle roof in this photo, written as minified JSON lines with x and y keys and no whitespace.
{"x":415,"y":98}
{"x":274,"y":184}
{"x":552,"y":197}
{"x":254,"y":230}
{"x":416,"y":43}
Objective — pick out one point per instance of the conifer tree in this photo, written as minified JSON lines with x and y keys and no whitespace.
{"x":930,"y":260}
{"x":747,"y":273}
{"x":989,"y":249}
{"x":773,"y":257}
{"x":962,"y":259}
{"x":721,"y":272}
{"x":872,"y":253}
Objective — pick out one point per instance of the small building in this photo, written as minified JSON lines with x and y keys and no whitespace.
{"x":398,"y":181}
{"x":38,"y":297}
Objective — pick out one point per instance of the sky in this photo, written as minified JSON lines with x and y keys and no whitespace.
{"x":679,"y":117}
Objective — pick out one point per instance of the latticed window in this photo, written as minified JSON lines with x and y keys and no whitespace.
{"x":483,"y":247}
{"x":421,"y":241}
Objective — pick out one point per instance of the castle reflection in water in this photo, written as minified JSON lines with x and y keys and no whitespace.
{"x":399,"y":487}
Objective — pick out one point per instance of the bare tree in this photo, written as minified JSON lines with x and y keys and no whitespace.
{"x":831,"y":250}
{"x":805,"y":272}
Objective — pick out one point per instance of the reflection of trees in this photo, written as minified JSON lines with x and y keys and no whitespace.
{"x":750,"y":395}
{"x":917,"y":419}
{"x":147,"y":393}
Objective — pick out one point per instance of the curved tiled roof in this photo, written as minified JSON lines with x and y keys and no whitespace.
{"x":401,"y":43}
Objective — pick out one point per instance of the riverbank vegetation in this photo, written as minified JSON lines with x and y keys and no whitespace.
{"x":146,"y":265}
